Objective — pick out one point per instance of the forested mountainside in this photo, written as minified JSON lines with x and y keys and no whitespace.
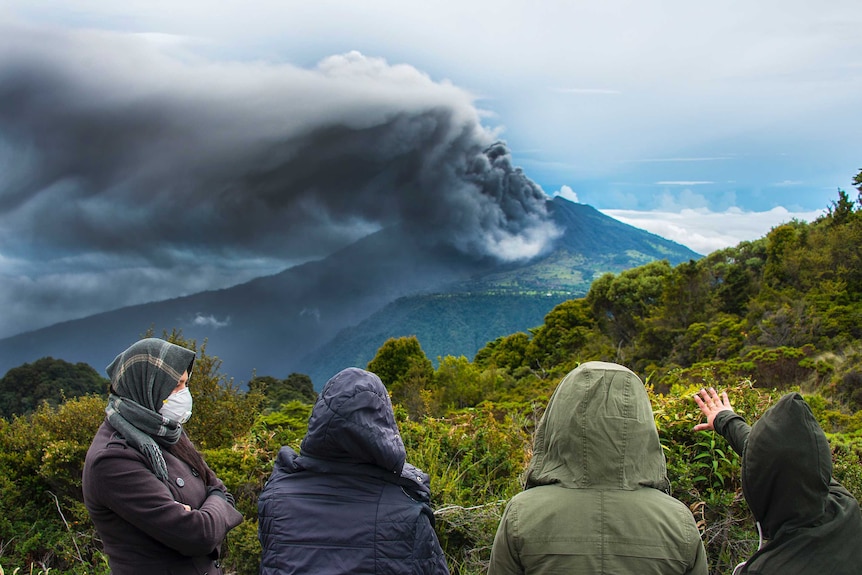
{"x":792,"y":297}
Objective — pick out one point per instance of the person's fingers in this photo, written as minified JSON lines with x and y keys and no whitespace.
{"x":725,"y":400}
{"x":704,"y":408}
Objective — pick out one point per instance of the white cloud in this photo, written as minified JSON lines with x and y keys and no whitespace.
{"x":566,"y":193}
{"x":787,"y":183}
{"x":210,"y":321}
{"x":310,"y":312}
{"x":705,"y":231}
{"x":169,"y":40}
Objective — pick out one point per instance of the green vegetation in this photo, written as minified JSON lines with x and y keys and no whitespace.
{"x":278,"y":392}
{"x":781,"y":313}
{"x":23,"y":388}
{"x":463,"y":321}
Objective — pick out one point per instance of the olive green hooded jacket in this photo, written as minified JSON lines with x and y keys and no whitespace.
{"x":811,"y":522}
{"x":595,"y":499}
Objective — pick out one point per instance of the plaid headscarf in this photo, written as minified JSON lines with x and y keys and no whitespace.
{"x":142,"y":377}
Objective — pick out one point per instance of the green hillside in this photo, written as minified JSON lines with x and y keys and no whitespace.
{"x":785,"y":310}
{"x":447,"y":324}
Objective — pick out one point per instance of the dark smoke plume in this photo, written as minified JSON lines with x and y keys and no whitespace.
{"x":123,"y":164}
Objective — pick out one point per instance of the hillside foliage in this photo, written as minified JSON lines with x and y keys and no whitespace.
{"x":24,"y":388}
{"x":780,"y":313}
{"x":278,"y":392}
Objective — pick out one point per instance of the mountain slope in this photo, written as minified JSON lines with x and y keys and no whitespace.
{"x":265,"y":324}
{"x":445,"y":324}
{"x":269,"y":325}
{"x":505,"y":300}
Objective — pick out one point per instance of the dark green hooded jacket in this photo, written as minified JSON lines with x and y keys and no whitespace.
{"x":595,"y":499}
{"x":811,"y":522}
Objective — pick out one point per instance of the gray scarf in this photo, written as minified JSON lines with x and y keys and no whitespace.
{"x":142,"y":377}
{"x":144,"y":429}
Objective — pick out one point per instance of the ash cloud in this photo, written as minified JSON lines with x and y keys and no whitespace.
{"x":114,"y":148}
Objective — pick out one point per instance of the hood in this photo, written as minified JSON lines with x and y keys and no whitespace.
{"x":352,"y":422}
{"x":416,"y":483}
{"x":598,"y":431}
{"x":786,"y":467}
{"x":149,"y":370}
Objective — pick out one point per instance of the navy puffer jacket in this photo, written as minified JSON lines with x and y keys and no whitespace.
{"x":348,"y":503}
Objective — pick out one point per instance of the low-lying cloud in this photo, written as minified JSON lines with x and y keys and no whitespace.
{"x":210,"y":321}
{"x":705,"y":231}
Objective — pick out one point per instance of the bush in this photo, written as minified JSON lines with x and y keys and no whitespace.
{"x":474,"y":456}
{"x":41,"y":458}
{"x":703,"y":469}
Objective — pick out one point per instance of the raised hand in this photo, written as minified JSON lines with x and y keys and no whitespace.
{"x":710,"y":404}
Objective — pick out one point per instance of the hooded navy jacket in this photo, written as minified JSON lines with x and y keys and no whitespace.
{"x":348,"y":502}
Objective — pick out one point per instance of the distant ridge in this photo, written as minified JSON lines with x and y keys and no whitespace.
{"x":299,"y":319}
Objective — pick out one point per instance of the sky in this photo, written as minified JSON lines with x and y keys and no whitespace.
{"x":157,"y":149}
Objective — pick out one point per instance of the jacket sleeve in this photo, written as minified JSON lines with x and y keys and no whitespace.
{"x":134,"y":493}
{"x":733,"y":428}
{"x":436,"y":565}
{"x":701,"y":565}
{"x":504,"y":559}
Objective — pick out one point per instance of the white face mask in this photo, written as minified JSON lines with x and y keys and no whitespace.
{"x":178,"y":406}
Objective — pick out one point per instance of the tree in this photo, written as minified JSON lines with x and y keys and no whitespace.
{"x":737,"y":274}
{"x":781,"y":270}
{"x":507,"y":352}
{"x":295,"y":387}
{"x":50,"y":380}
{"x":460,"y":382}
{"x":405,"y":370}
{"x":566,"y":330}
{"x":842,"y":209}
{"x":41,"y":460}
{"x":621,"y":302}
{"x":396,"y":357}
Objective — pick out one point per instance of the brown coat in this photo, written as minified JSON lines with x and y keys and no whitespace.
{"x":144,"y":528}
